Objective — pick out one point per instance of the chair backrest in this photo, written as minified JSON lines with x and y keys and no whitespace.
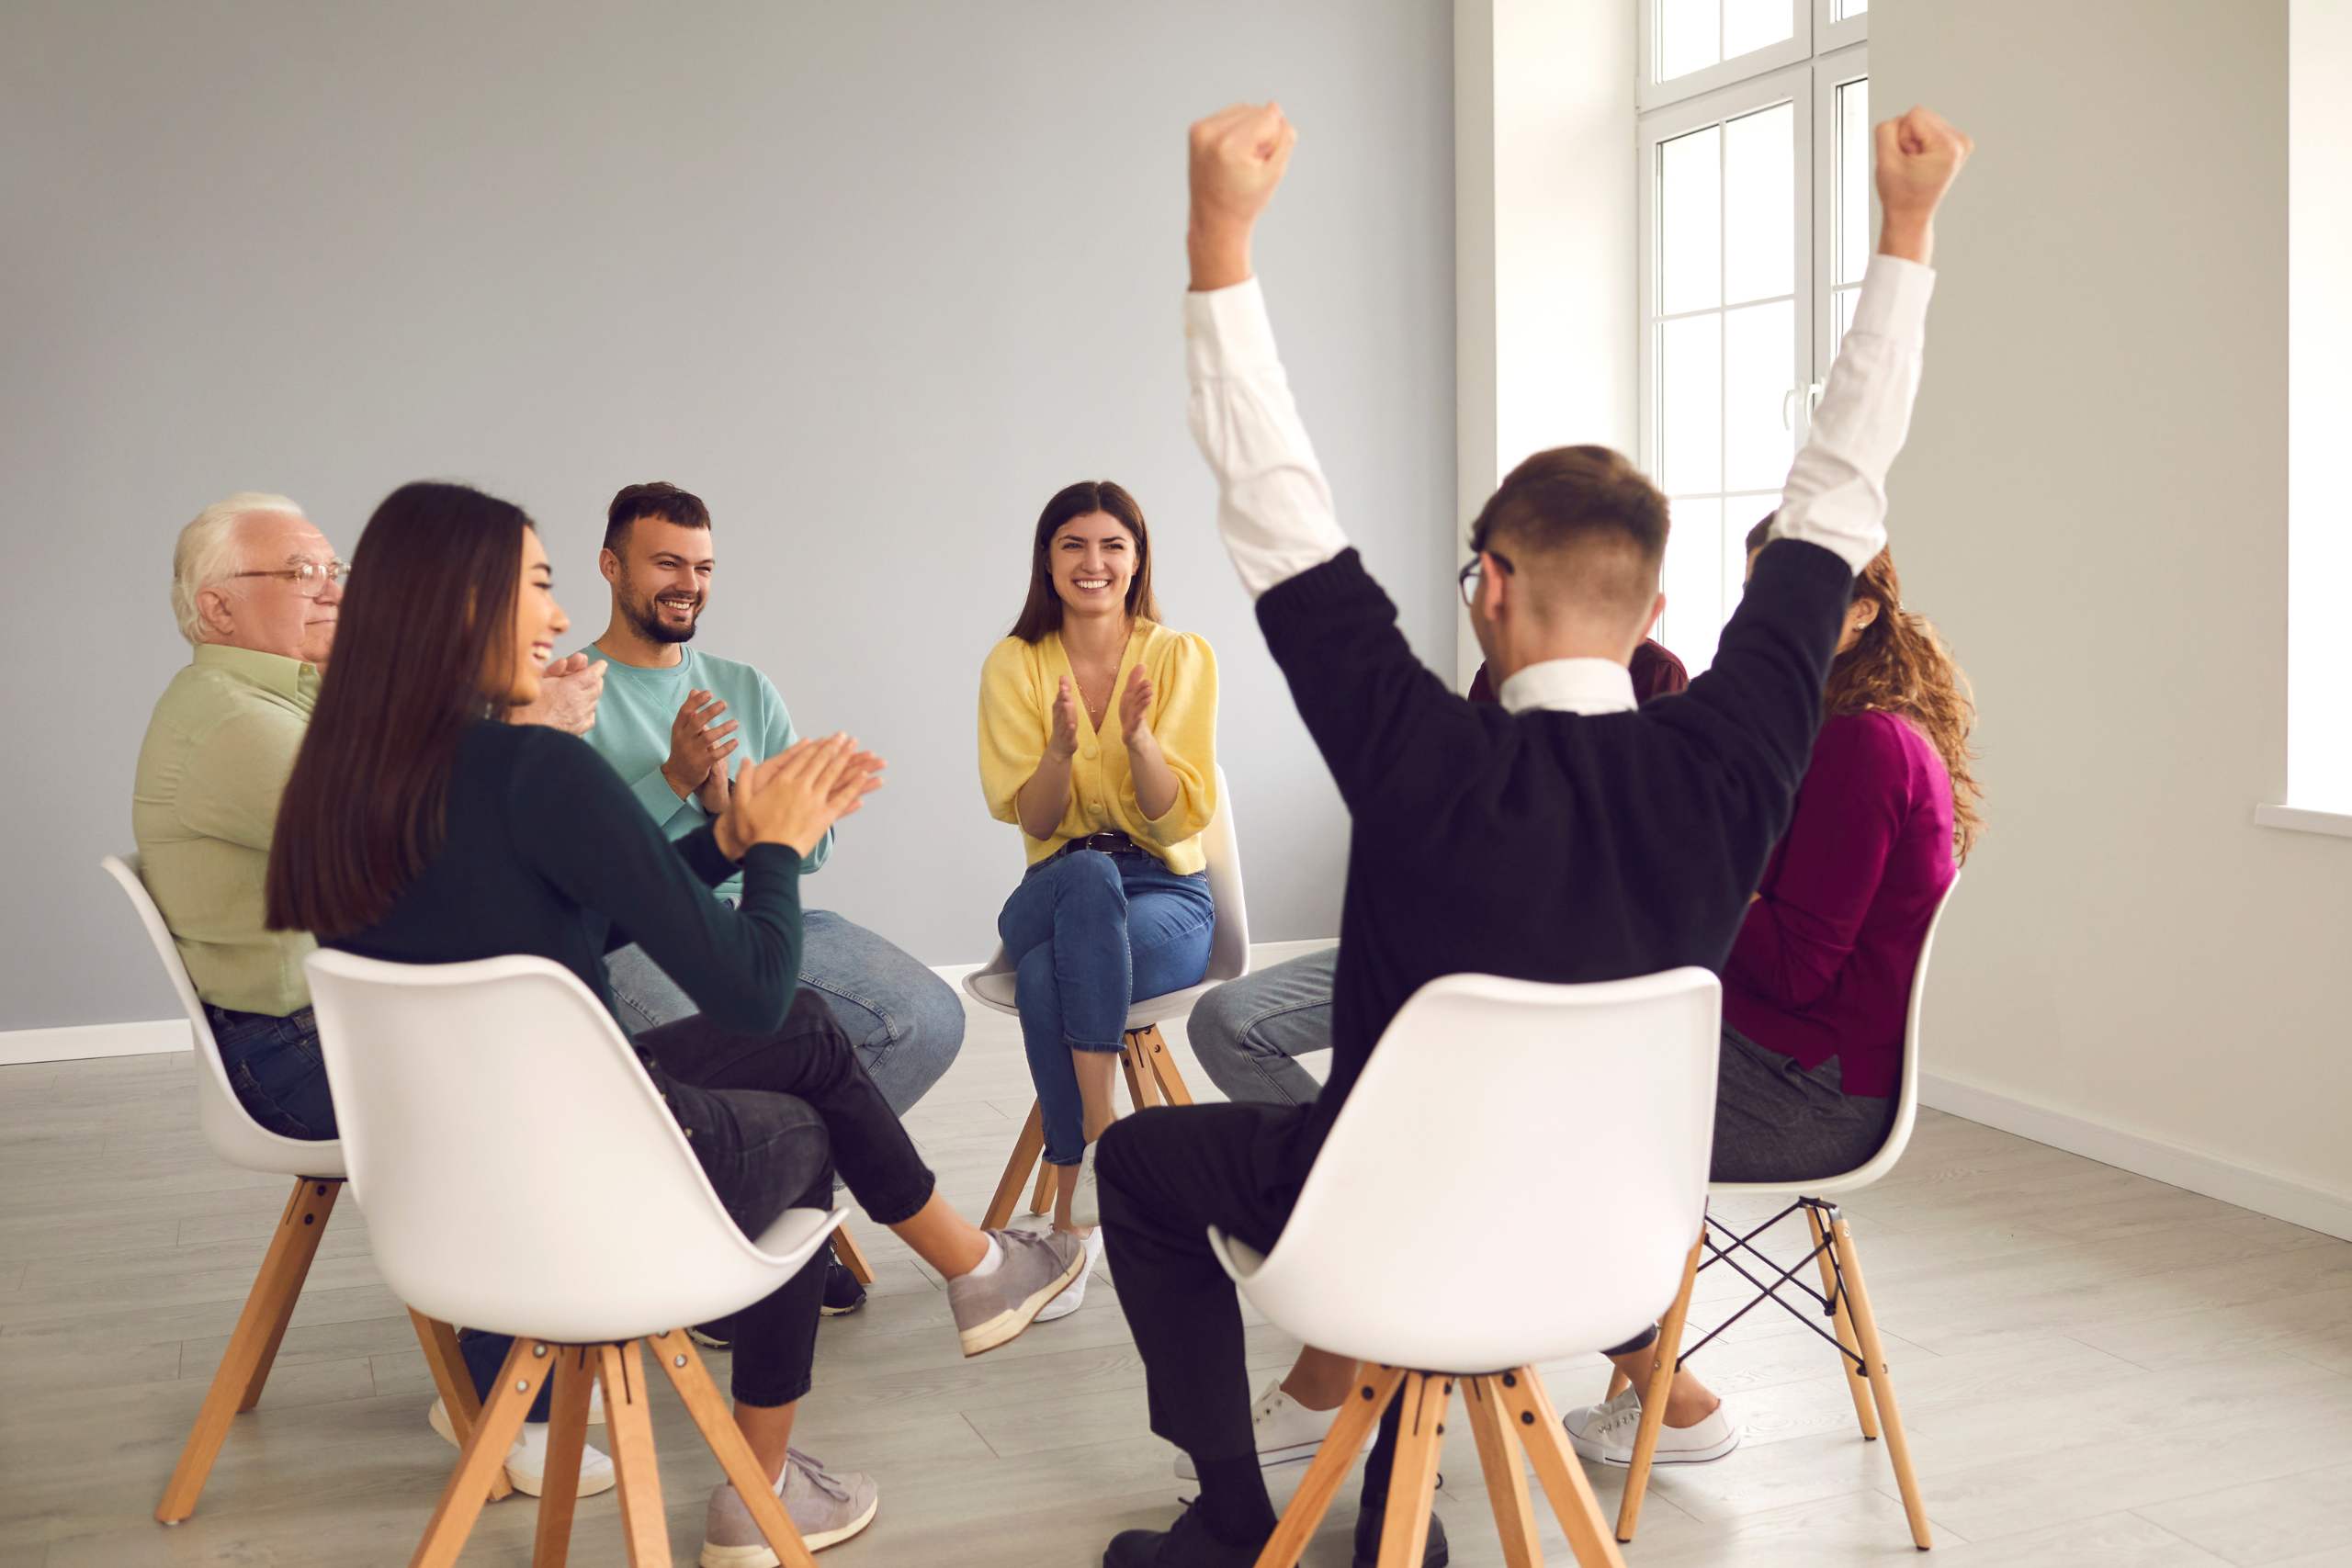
{"x":234,"y":1136}
{"x":1906,"y":1104}
{"x":1541,"y":1147}
{"x":517,"y":1166}
{"x":1229,"y":938}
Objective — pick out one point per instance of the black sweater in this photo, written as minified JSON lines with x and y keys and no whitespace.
{"x":1543,"y":845}
{"x":548,"y":853}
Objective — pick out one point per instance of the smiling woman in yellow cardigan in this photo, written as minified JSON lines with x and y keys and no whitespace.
{"x":1098,"y":739}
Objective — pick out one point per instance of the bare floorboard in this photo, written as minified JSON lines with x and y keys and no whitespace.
{"x":2095,"y":1369}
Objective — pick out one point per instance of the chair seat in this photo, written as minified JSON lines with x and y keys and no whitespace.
{"x":994,"y":988}
{"x":249,"y":1146}
{"x":532,"y":1303}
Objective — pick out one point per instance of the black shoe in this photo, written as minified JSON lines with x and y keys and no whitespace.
{"x":844,"y":1294}
{"x":717,"y":1334}
{"x":1186,"y":1544}
{"x":1368,"y":1540}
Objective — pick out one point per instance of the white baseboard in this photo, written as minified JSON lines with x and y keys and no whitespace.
{"x":22,"y":1045}
{"x":2266,"y":1193}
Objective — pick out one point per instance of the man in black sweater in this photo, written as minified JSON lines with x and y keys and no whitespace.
{"x":1566,"y":835}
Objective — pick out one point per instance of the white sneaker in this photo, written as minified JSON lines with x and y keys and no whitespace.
{"x":1085,"y":1201}
{"x":1604,"y":1434}
{"x":1284,"y":1431}
{"x":1067,"y":1302}
{"x":526,"y":1460}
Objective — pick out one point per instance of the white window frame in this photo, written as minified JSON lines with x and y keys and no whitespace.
{"x":1794,"y":86}
{"x":1649,"y":93}
{"x":1806,"y":71}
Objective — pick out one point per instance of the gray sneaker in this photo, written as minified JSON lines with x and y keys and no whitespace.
{"x":825,"y":1509}
{"x":1038,"y":1266}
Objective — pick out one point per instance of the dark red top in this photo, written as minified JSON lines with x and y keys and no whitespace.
{"x":1823,"y":964}
{"x":1656,"y":673}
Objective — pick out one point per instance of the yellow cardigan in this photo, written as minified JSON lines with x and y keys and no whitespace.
{"x":1018,"y":685}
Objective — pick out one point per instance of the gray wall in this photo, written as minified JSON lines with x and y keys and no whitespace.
{"x":874,"y":278}
{"x":2093,"y":506}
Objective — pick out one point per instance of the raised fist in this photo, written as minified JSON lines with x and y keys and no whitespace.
{"x":1919,"y":155}
{"x":1239,"y":156}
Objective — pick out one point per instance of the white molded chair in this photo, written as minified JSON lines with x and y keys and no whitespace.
{"x":1842,"y":1297}
{"x":1150,"y":1069}
{"x":521,"y":1173}
{"x":317,"y":1168}
{"x":1436,"y":1126}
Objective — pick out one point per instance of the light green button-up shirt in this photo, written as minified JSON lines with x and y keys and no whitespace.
{"x":218,"y":753}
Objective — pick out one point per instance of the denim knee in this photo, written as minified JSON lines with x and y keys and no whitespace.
{"x":1217,"y":1022}
{"x":1091,"y":877}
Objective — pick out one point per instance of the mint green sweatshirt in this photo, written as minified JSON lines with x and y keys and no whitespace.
{"x":632,"y":733}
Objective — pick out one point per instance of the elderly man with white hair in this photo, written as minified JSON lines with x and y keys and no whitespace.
{"x":256,"y":589}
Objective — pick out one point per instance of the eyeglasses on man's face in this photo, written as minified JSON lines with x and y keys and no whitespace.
{"x":310,"y":578}
{"x":1473,"y":576}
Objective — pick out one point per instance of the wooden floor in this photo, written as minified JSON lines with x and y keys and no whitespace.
{"x":2096,"y":1369}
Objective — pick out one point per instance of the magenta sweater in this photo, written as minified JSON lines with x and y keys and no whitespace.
{"x":1822,"y":966}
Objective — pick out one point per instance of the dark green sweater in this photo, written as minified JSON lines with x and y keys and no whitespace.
{"x":547,"y":853}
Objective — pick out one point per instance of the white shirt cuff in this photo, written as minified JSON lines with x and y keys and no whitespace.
{"x":1894,"y":300}
{"x":1227,"y":333}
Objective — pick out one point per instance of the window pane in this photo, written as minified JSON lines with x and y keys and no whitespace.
{"x":1691,"y":223}
{"x":1752,"y":24}
{"x":1741,"y":512}
{"x":1853,"y":181}
{"x":1760,"y":204}
{"x":1691,"y":408}
{"x":1759,"y":369}
{"x":1694,"y":581}
{"x":1690,"y":37}
{"x":1850,"y":8}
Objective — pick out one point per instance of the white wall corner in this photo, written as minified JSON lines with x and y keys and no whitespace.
{"x":1545,"y":239}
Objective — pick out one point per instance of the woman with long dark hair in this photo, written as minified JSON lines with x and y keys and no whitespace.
{"x":419,"y":828}
{"x":1098,"y":739}
{"x":1817,"y":990}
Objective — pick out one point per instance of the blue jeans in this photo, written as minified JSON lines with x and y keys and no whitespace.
{"x":275,"y":1066}
{"x":1087,"y":934}
{"x":905,"y":1022}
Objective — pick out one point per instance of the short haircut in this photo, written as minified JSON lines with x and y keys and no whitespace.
{"x":661,"y":499}
{"x":207,"y":551}
{"x":1592,"y":510}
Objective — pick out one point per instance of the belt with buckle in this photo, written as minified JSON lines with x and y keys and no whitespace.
{"x":1106,"y":843}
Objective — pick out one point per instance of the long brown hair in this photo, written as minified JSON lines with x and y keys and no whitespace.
{"x":1043,"y":611}
{"x":431,"y":602}
{"x":1899,"y":665}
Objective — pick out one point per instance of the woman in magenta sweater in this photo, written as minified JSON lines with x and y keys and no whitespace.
{"x":1819,"y":985}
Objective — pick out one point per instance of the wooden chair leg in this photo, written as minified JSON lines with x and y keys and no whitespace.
{"x":519,"y":1380}
{"x":1521,"y":1396}
{"x":1506,"y":1471}
{"x":629,"y":1426}
{"x":1412,"y":1479}
{"x":1140,"y":1087}
{"x":1857,"y":1384}
{"x":244,"y":1365}
{"x":676,"y":1354}
{"x":1898,"y":1448}
{"x":1375,"y":1386}
{"x":575,"y":1380}
{"x":1669,"y":1350}
{"x":1026,"y":1152}
{"x":318,"y":1227}
{"x":853,"y":1257}
{"x":1163,"y":1068}
{"x":455,"y":1384}
{"x":1041,"y":1201}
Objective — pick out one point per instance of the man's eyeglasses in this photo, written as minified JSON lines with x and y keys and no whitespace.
{"x":310,"y":578}
{"x":1471,"y":575}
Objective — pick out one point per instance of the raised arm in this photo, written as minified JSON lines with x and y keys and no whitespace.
{"x":1835,"y":496}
